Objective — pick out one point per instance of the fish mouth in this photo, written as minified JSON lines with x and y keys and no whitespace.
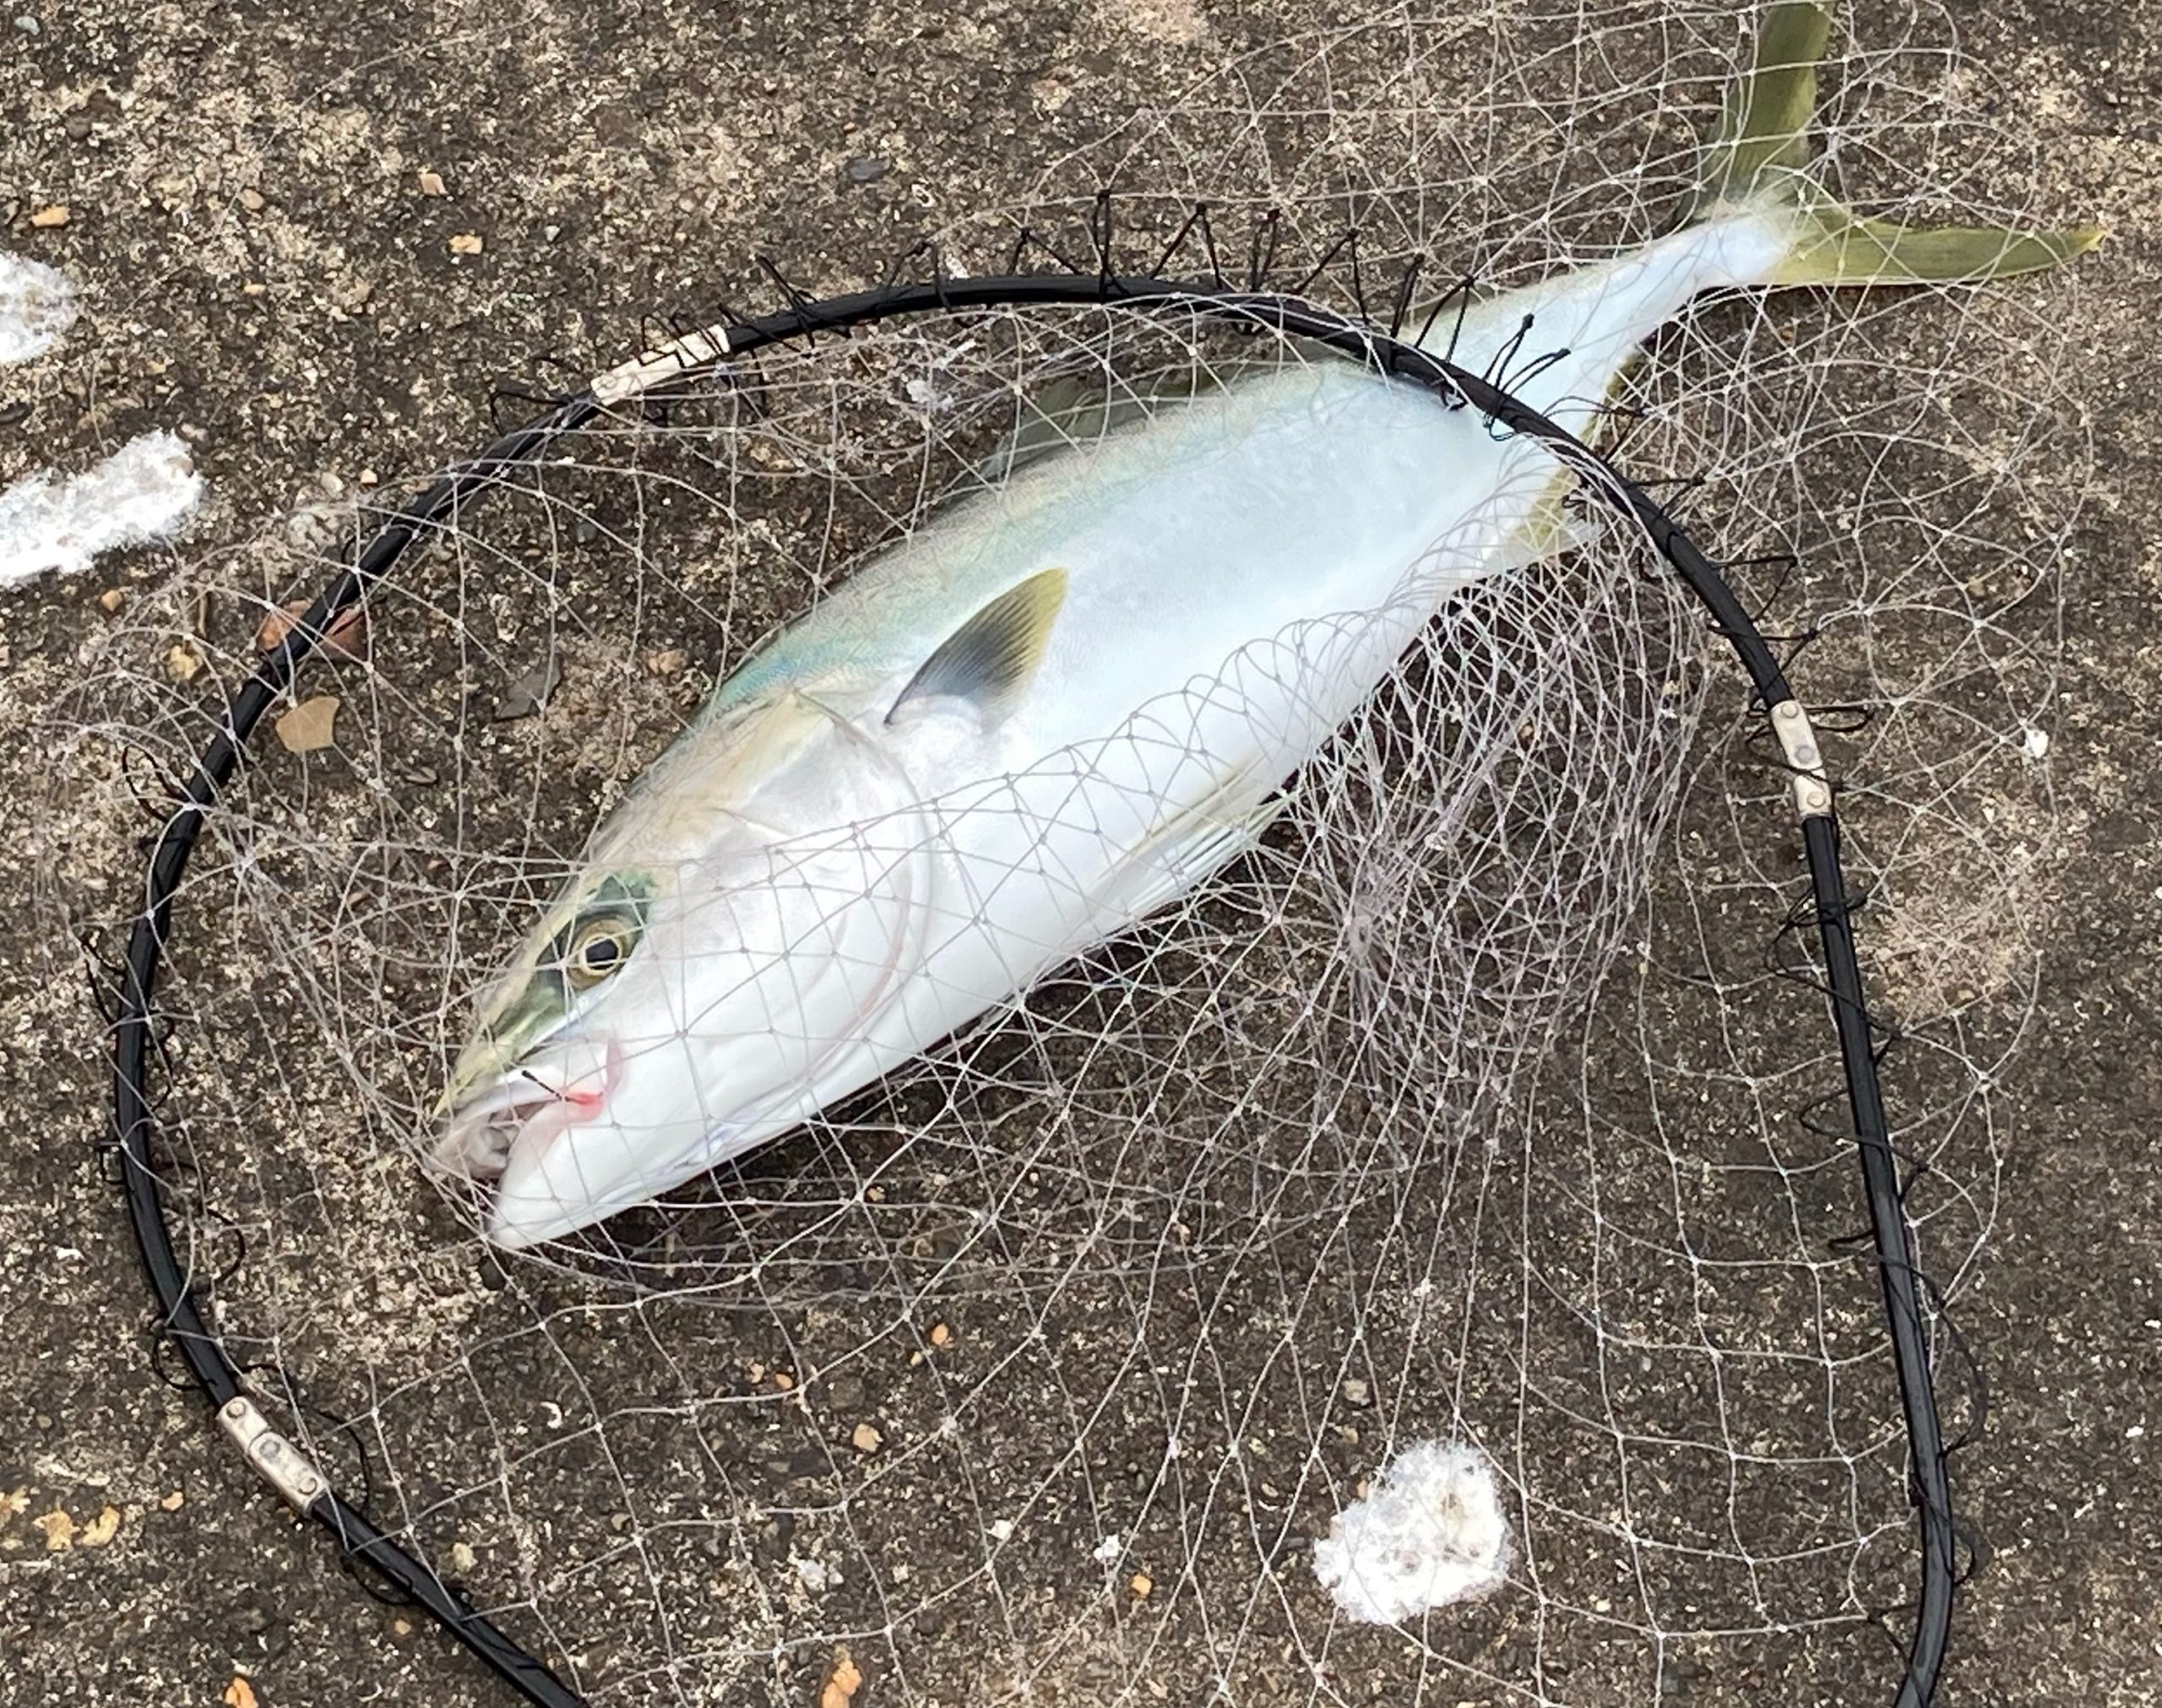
{"x":521,"y":1114}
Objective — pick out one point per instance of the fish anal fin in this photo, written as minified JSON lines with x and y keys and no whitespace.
{"x":1189,"y":847}
{"x":986,"y":661}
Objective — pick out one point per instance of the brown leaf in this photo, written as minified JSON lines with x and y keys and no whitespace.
{"x":305,"y":729}
{"x":347,"y":638}
{"x":842,"y":1683}
{"x":59,"y":1530}
{"x":101,"y":1529}
{"x":239,"y":1693}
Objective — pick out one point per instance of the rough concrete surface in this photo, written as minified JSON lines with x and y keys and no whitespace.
{"x":265,"y":269}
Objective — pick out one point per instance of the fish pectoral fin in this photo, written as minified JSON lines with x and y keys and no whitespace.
{"x":986,"y":659}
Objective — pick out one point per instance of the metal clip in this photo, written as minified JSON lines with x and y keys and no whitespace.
{"x":1813,"y":790}
{"x":283,"y":1466}
{"x":678,"y":356}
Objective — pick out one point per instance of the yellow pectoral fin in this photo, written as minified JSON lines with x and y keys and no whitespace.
{"x":989,"y":657}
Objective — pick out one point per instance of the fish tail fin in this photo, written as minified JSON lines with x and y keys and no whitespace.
{"x":1761,"y":157}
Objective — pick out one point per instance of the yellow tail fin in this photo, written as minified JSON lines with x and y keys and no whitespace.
{"x":1762,"y":153}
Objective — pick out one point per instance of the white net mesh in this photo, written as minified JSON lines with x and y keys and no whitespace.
{"x":1481,"y":1104}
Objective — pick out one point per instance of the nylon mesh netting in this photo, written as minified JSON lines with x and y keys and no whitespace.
{"x":1492,"y":1101}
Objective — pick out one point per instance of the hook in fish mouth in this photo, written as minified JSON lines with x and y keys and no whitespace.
{"x":521,"y":1110}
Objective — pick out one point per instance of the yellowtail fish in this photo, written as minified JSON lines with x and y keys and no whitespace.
{"x":1068,"y":699}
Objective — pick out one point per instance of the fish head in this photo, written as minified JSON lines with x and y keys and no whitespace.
{"x":677,"y":1003}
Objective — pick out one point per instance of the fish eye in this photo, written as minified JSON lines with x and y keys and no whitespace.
{"x":596,"y":952}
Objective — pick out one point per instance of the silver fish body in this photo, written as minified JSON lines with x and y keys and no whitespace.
{"x":1065,"y":701}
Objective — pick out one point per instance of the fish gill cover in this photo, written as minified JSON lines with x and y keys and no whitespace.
{"x":1489,"y":1100}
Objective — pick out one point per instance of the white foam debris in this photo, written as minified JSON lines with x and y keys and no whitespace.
{"x":141,"y":492}
{"x":2035,"y":743}
{"x":1430,"y":1531}
{"x":37,"y":306}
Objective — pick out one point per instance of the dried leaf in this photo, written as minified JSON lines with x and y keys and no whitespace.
{"x":529,"y":693}
{"x":668,"y":663}
{"x":305,"y":729}
{"x":466,"y":243}
{"x":239,"y":1693}
{"x":842,"y":1683}
{"x":347,"y":638}
{"x":101,"y":1529}
{"x":13,"y":1501}
{"x":866,"y":1438}
{"x":182,"y":664}
{"x":46,"y":218}
{"x":59,"y":1530}
{"x":174,"y":1501}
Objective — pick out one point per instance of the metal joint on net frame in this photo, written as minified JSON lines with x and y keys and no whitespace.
{"x":179,"y":1303}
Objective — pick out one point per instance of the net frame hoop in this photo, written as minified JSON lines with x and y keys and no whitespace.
{"x":180,"y":1300}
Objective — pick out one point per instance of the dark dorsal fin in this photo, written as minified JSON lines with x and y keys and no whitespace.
{"x":995,"y":651}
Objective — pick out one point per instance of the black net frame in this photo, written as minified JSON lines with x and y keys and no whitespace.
{"x":184,"y":1314}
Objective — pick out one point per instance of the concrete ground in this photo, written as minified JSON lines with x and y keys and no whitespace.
{"x":261,"y":267}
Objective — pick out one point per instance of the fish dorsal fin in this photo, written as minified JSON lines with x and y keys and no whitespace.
{"x":986,"y":659}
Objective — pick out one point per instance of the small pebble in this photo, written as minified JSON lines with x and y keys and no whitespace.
{"x":1141,"y":1583}
{"x":432,"y":184}
{"x":1354,"y":1391}
{"x":112,"y":598}
{"x":940,"y":1334}
{"x":76,"y":126}
{"x":867,"y":171}
{"x":28,"y":24}
{"x":48,"y":219}
{"x":866,"y":1438}
{"x":466,"y":243}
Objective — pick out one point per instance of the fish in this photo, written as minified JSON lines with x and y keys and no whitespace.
{"x":1070,"y":697}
